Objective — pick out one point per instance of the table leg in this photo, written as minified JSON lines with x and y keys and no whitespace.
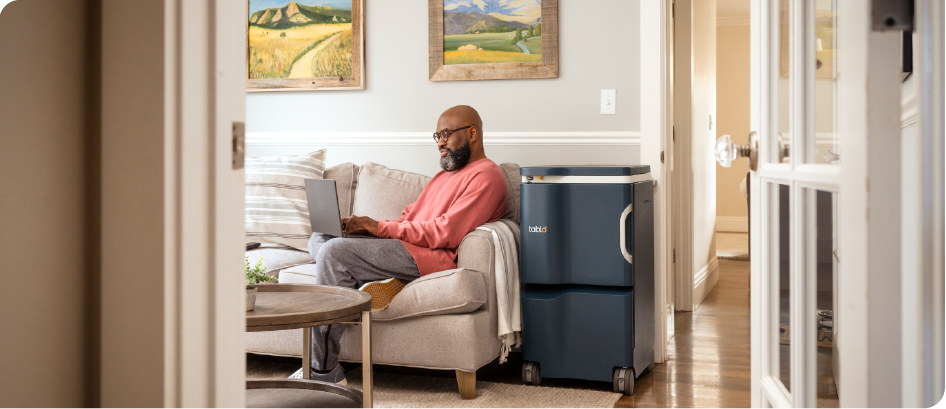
{"x":367,"y":374}
{"x":306,"y":353}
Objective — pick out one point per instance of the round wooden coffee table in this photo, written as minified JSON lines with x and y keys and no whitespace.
{"x":295,"y":306}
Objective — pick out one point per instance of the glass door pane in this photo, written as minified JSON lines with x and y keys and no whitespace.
{"x":779,"y":270}
{"x":822,"y":268}
{"x":823,"y":141}
{"x":782,"y":83}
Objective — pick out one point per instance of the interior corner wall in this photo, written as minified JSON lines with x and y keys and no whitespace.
{"x":595,"y":54}
{"x":48,"y":208}
{"x":703,"y":140}
{"x":695,"y":133}
{"x":732,"y":53}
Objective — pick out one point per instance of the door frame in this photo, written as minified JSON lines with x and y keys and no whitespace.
{"x":172,"y":299}
{"x":656,"y":118}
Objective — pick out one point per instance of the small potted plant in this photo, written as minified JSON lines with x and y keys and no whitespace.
{"x":254,"y":276}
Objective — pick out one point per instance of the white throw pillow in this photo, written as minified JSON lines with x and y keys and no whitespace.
{"x":277,"y":213}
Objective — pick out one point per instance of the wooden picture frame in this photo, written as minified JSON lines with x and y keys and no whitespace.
{"x":547,"y":68}
{"x":354,"y":82}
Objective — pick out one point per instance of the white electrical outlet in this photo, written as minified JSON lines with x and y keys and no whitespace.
{"x":607,"y":102}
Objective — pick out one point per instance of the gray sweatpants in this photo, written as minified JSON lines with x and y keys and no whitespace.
{"x":352,"y":262}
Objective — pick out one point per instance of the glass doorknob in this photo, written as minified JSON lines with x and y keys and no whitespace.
{"x":727,"y":151}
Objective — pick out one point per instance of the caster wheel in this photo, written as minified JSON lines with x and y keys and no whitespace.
{"x":531,"y":374}
{"x":623,"y":380}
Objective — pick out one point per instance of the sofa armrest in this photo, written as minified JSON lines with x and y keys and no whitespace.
{"x":477,"y":252}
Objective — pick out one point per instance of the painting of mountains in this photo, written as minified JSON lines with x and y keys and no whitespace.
{"x":300,"y":39}
{"x":492,"y":31}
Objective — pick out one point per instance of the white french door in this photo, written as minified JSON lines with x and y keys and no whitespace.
{"x":808,"y":200}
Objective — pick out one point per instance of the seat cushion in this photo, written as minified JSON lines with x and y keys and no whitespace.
{"x":345,"y":176}
{"x":455,"y":291}
{"x":278,"y":259}
{"x":383,"y":193}
{"x":299,"y":274}
{"x":456,"y":341}
{"x":513,"y":179}
{"x":277,"y":213}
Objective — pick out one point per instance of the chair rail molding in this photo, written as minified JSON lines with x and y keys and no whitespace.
{"x":424,"y":138}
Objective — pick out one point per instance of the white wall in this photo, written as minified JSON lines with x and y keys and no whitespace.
{"x":595,"y":54}
{"x":695,"y":166}
{"x":703,"y":139}
{"x":732,"y":53}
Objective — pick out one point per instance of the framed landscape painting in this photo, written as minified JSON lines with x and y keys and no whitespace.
{"x":299,"y":45}
{"x":492,"y":39}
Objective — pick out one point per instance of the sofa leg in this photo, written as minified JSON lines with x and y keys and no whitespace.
{"x":467,"y":383}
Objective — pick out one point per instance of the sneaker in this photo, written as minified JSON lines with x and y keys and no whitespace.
{"x":382,"y":292}
{"x":336,"y":376}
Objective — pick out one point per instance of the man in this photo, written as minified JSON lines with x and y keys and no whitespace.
{"x":469,"y":192}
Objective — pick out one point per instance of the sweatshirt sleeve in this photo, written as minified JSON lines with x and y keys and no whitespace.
{"x":475,"y":206}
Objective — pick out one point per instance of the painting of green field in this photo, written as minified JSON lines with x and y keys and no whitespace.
{"x":488,"y":42}
{"x":487,"y":57}
{"x":534,"y":45}
{"x":492,"y":31}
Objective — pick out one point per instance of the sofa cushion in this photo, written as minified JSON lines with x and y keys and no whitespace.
{"x":513,"y":179}
{"x":383,"y":193}
{"x":278,"y":259}
{"x":459,"y":341}
{"x":277,"y":214}
{"x":345,"y":176}
{"x":454,"y":291}
{"x":299,"y":274}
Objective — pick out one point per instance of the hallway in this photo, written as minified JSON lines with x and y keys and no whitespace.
{"x":709,"y":353}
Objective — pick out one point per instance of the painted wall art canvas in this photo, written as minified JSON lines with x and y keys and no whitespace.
{"x":305,"y":45}
{"x":493,"y":39}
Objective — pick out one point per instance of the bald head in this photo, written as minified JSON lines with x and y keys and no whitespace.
{"x":465,"y":114}
{"x":466,"y":135}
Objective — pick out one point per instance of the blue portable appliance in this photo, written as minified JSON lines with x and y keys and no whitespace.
{"x":587,"y":273}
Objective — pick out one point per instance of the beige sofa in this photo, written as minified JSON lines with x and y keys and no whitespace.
{"x":446,"y":320}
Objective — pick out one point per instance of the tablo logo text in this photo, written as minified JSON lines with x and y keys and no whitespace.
{"x":538,"y":229}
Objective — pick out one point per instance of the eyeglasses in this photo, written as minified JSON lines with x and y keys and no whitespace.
{"x":445,"y":134}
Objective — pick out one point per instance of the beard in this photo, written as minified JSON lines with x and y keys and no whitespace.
{"x":456,"y":159}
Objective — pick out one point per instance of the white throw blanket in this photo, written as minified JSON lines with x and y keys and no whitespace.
{"x":506,"y":238}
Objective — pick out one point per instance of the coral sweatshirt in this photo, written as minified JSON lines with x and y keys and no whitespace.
{"x":451,"y":205}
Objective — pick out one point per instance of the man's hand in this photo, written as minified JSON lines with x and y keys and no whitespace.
{"x":362,"y":225}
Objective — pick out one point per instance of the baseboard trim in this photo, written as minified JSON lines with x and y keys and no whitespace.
{"x":425,"y":139}
{"x":704,"y":281}
{"x":732,"y":224}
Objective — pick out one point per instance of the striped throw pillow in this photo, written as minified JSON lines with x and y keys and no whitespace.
{"x":277,"y":214}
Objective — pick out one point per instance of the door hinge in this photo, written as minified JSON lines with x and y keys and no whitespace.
{"x":239,"y":144}
{"x":673,"y":257}
{"x":673,"y":133}
{"x":673,"y":10}
{"x":661,"y":156}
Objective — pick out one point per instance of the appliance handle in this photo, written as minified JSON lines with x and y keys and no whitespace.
{"x":627,"y":256}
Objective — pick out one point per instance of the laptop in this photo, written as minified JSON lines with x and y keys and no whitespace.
{"x":323,"y":207}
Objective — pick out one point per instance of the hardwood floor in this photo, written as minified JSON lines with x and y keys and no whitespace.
{"x":709,"y":362}
{"x":709,"y":355}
